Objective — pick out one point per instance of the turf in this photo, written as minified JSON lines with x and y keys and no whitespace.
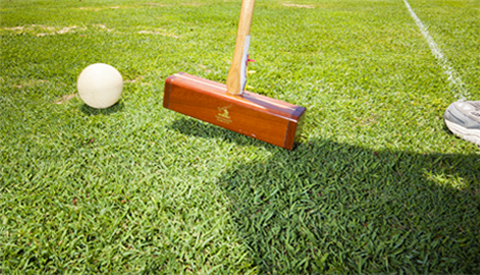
{"x":378,"y":184}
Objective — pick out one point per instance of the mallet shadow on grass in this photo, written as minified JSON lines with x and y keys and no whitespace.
{"x":330,"y":207}
{"x":193,"y":127}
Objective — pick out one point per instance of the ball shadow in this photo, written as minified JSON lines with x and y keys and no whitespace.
{"x":117,"y":107}
{"x":331,"y":207}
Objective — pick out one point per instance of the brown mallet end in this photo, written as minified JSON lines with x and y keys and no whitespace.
{"x":253,"y":115}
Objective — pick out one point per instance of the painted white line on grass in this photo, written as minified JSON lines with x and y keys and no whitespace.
{"x":449,"y":70}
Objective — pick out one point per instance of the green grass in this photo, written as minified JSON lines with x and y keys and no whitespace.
{"x":378,"y":184}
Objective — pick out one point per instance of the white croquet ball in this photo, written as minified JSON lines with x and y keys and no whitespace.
{"x":100,"y":85}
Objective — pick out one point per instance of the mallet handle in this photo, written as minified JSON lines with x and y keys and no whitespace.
{"x":234,"y":79}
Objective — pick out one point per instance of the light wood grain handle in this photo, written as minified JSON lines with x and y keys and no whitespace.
{"x":234,"y":79}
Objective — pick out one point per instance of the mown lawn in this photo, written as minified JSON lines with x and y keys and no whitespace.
{"x":377,"y":185}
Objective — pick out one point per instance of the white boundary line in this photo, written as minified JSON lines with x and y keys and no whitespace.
{"x":449,"y":70}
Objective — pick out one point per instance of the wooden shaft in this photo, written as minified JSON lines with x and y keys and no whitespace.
{"x":234,"y":79}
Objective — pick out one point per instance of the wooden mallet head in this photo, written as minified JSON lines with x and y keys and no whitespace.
{"x":230,"y":106}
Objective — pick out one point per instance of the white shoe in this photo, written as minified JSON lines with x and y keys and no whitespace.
{"x":463,"y":119}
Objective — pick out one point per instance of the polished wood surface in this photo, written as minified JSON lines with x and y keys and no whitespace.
{"x":234,"y":85}
{"x":254,"y":115}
